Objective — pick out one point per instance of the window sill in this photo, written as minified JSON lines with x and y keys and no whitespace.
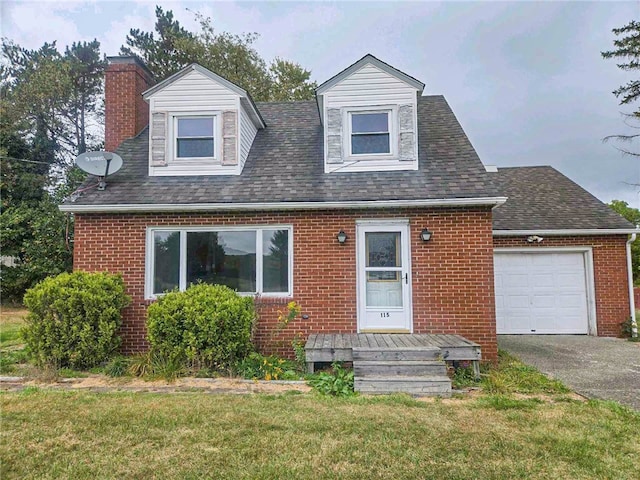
{"x":259,"y":299}
{"x":176,"y":169}
{"x":371,"y":157}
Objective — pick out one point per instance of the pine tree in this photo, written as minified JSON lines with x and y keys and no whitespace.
{"x":627,"y":52}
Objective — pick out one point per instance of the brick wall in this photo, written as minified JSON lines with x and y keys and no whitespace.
{"x":126,"y":112}
{"x":610,"y":272}
{"x":452,"y":275}
{"x":636,"y":296}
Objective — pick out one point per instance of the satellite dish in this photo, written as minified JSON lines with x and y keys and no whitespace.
{"x":100,"y":164}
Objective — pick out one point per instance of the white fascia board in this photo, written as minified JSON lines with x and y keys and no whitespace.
{"x":254,"y":112}
{"x":198,"y":68}
{"x":370,"y":59}
{"x":203,"y":207}
{"x":560,"y":232}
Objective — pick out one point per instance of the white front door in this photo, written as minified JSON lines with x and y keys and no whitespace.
{"x":384,"y":278}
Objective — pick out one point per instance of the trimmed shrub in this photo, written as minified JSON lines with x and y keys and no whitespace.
{"x":206,"y":326}
{"x":74,"y":318}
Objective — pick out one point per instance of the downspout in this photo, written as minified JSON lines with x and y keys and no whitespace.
{"x":632,"y":303}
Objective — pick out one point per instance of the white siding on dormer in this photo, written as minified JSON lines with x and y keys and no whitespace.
{"x":194,"y":92}
{"x":248,"y":132}
{"x":369,"y":86}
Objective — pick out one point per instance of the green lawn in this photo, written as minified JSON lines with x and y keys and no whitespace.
{"x":11,"y":321}
{"x":523,"y":425}
{"x":53,"y":434}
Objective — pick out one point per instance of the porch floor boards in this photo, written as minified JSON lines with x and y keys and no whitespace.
{"x":332,"y":347}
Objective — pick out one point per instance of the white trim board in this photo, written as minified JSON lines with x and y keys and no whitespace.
{"x":204,"y":207}
{"x":589,"y":272}
{"x":383,"y":225}
{"x":183,"y":230}
{"x":561,"y":232}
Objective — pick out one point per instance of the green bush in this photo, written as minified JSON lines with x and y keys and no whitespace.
{"x":74,"y":318}
{"x":118,"y":366}
{"x":627,"y":330}
{"x":204,"y":326}
{"x":258,"y":367}
{"x":338,"y":383}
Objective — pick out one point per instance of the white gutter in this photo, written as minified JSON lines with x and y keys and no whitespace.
{"x":575,"y":231}
{"x":205,"y":207}
{"x":632,"y":302}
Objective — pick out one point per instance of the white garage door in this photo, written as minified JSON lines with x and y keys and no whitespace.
{"x":542,"y":293}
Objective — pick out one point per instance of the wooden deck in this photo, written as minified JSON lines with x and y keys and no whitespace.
{"x":321,"y":347}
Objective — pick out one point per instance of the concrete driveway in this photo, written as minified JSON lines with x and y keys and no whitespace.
{"x":596,"y":367}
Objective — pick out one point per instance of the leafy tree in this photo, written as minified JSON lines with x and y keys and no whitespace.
{"x":627,"y":52}
{"x":290,"y":81}
{"x":160,"y":52}
{"x":46,"y":100}
{"x":633,"y":215}
{"x":54,"y":98}
{"x":232,"y":56}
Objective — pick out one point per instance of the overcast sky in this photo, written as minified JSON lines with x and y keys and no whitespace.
{"x":526,"y":80}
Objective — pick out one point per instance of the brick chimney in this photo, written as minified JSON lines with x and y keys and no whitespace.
{"x":126,"y":112}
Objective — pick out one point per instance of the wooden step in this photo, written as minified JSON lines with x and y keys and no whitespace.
{"x":407,"y":368}
{"x":423,"y":385}
{"x":396,"y":353}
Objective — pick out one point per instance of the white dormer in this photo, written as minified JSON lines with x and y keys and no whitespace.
{"x":369,"y":113}
{"x":200,"y":124}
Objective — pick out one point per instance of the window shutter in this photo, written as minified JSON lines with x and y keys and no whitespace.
{"x":406,"y":133}
{"x":158,"y":139}
{"x":334,"y":136}
{"x":229,"y":137}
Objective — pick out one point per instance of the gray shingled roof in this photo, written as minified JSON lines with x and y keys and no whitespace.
{"x":541,"y":198}
{"x":285,"y":164}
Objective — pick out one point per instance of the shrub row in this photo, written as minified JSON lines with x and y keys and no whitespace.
{"x":74,"y":319}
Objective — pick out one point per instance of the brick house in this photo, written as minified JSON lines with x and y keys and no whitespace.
{"x":368,"y":206}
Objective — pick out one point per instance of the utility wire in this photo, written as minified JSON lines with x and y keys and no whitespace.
{"x":4,"y":157}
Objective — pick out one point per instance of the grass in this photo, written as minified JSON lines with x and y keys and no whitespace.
{"x":11,"y":321}
{"x":510,"y":375}
{"x":52,"y":434}
{"x":12,"y":354}
{"x":523,"y":425}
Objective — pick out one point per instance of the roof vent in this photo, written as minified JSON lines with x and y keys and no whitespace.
{"x":491,"y":168}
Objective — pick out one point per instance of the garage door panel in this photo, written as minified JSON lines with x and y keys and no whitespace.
{"x":573,"y":302}
{"x":569,"y":280}
{"x":573,"y":259}
{"x":541,"y":260}
{"x":545,"y":323}
{"x":518,"y":301}
{"x":519,"y":323}
{"x":544,"y":280}
{"x":516,"y":280}
{"x":541,"y":292}
{"x":543,"y":301}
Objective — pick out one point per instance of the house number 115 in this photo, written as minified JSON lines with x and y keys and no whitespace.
{"x":384,"y":314}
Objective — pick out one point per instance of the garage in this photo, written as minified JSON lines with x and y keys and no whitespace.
{"x":542,"y":292}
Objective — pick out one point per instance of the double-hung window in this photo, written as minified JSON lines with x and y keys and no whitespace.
{"x":195,"y":137}
{"x":370,"y":132}
{"x":248,"y":260}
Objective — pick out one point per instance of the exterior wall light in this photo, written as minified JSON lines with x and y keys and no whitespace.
{"x":534,"y":239}
{"x":425,"y":235}
{"x":342,"y":237}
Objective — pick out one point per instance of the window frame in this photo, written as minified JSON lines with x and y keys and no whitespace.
{"x":391,"y":122}
{"x":217,"y":138}
{"x":184,"y":230}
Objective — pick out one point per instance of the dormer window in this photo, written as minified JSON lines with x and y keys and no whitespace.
{"x":370,"y":133}
{"x":195,"y":137}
